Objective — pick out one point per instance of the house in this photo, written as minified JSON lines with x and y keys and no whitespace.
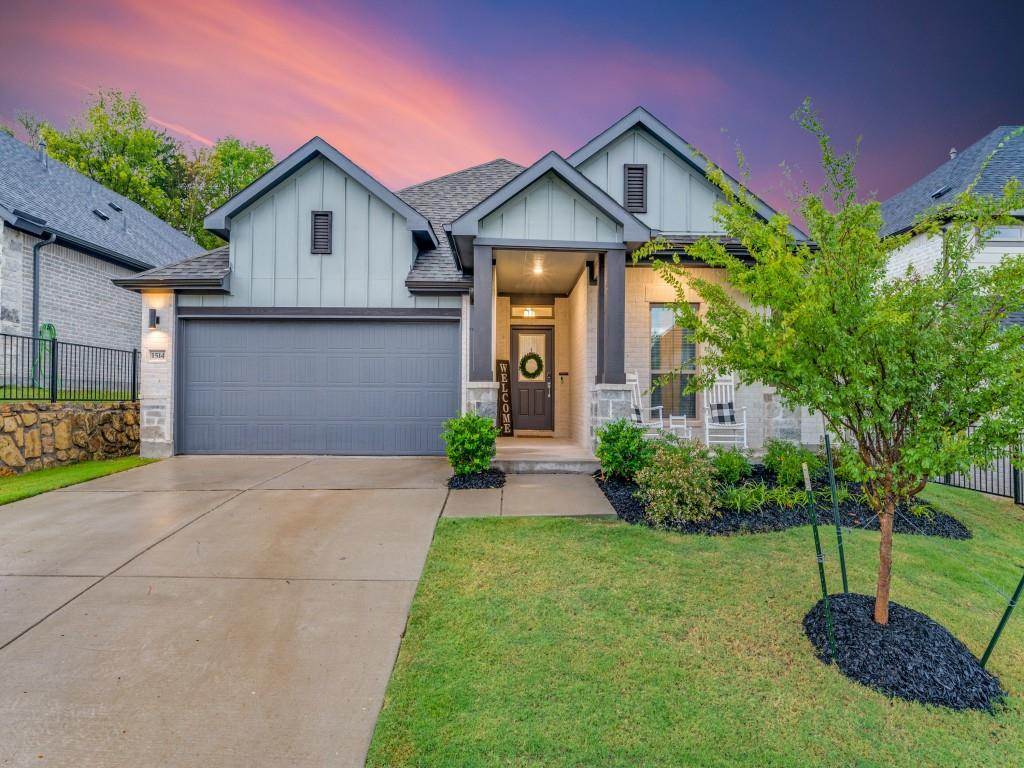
{"x":63,"y":237}
{"x":992,"y":160}
{"x":347,"y":318}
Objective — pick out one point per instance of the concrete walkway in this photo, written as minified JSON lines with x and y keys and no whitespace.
{"x":221,"y":611}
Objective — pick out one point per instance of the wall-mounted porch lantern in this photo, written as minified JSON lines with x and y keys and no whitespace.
{"x":154,"y":318}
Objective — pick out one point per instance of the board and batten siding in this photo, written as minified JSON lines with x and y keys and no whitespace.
{"x":679,"y":198}
{"x":549,"y":209}
{"x":271,"y":264}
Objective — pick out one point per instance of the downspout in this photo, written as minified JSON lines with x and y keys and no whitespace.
{"x":51,"y":238}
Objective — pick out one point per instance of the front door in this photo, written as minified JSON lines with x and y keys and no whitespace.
{"x":533,"y":396}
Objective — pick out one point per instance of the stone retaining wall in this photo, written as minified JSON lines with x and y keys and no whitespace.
{"x":40,"y":435}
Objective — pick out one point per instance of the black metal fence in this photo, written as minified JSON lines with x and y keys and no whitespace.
{"x":47,"y":369}
{"x":1000,"y":478}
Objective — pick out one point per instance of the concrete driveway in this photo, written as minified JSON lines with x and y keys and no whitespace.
{"x":210,"y":611}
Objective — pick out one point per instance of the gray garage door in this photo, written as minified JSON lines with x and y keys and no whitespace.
{"x":317,"y":386}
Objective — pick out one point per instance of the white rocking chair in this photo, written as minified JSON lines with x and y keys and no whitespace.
{"x":723,"y":424}
{"x":645,"y":416}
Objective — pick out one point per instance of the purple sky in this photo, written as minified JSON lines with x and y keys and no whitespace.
{"x":411,"y":90}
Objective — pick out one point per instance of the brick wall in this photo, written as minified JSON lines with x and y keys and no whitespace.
{"x":581,"y":316}
{"x":76,"y":294}
{"x":156,"y":376}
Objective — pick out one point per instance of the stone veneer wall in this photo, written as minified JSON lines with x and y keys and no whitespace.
{"x":41,"y":435}
{"x":608,"y":402}
{"x":482,"y":399}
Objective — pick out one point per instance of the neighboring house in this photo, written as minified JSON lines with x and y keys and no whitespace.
{"x":76,"y":235}
{"x":992,"y":160}
{"x":346,"y":318}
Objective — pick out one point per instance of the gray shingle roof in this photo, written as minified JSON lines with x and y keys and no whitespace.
{"x":205,"y":270}
{"x":902,"y":209}
{"x":65,"y":200}
{"x":444,"y":199}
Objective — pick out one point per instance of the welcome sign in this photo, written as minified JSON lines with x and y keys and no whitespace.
{"x":504,"y":398}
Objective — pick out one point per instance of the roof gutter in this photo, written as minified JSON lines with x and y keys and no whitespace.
{"x":37,"y":227}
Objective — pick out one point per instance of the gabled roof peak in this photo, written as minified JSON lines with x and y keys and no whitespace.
{"x":218,"y":221}
{"x":640,"y":116}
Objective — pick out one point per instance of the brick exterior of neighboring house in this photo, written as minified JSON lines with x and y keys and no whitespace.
{"x":76,"y":293}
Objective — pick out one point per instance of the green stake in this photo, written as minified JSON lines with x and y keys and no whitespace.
{"x":1002,"y":622}
{"x":835,"y":512}
{"x":821,"y":562}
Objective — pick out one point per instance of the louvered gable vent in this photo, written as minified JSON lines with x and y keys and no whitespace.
{"x":320,"y":237}
{"x":635,"y":195}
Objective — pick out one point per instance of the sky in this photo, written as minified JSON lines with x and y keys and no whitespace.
{"x":413,"y":90}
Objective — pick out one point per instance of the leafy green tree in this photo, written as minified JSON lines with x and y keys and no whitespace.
{"x":898,"y":366}
{"x":114,"y":144}
{"x":215,"y":175}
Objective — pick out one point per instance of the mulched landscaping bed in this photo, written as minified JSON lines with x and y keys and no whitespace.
{"x":774,"y":517}
{"x":491,"y":478}
{"x":912,"y":657}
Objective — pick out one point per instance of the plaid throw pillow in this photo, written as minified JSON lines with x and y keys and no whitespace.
{"x":723,"y":413}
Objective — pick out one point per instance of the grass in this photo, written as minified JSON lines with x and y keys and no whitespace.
{"x":33,"y":483}
{"x":570,"y":642}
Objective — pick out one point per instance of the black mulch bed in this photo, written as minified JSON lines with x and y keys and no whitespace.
{"x":912,"y":657}
{"x":491,"y":478}
{"x":774,"y":517}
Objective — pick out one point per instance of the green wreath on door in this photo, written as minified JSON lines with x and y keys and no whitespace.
{"x":531,"y":372}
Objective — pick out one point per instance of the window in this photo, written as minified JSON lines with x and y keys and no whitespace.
{"x":320,"y":235}
{"x":674,"y":356}
{"x":635,"y":195}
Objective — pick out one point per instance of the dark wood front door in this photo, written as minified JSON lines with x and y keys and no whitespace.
{"x":532,"y":377}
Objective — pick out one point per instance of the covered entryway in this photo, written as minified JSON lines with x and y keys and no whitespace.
{"x":316,"y":386}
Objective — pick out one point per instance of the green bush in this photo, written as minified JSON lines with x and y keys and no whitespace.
{"x":622,"y":449}
{"x":470,"y":443}
{"x":744,"y":498}
{"x":679,"y":484}
{"x":785,"y":460}
{"x":732,"y":465}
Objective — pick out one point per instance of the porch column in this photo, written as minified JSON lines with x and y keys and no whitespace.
{"x":611,"y":328}
{"x":481,"y":317}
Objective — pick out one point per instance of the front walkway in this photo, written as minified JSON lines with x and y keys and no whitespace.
{"x":227,"y":611}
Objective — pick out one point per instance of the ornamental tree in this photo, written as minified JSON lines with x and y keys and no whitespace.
{"x":899,"y":367}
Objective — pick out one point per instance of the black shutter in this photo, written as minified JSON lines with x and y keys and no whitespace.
{"x":635,"y":194}
{"x":320,"y":233}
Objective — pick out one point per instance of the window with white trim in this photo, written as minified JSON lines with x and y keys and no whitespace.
{"x":674,"y":361}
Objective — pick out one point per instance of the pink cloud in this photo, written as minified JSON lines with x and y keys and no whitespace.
{"x":278,"y":74}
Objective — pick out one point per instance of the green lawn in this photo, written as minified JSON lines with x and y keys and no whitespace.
{"x":568,"y":642}
{"x":34,"y":483}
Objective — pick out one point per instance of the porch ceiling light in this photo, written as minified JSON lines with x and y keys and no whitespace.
{"x":538,"y":268}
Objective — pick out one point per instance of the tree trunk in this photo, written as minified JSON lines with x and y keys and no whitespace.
{"x":885,"y":519}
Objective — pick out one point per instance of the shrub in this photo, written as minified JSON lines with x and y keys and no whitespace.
{"x":732,"y":465}
{"x":470,"y":443}
{"x":679,"y":484}
{"x":744,"y":498}
{"x":622,"y":449}
{"x":787,"y":497}
{"x":785,"y":460}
